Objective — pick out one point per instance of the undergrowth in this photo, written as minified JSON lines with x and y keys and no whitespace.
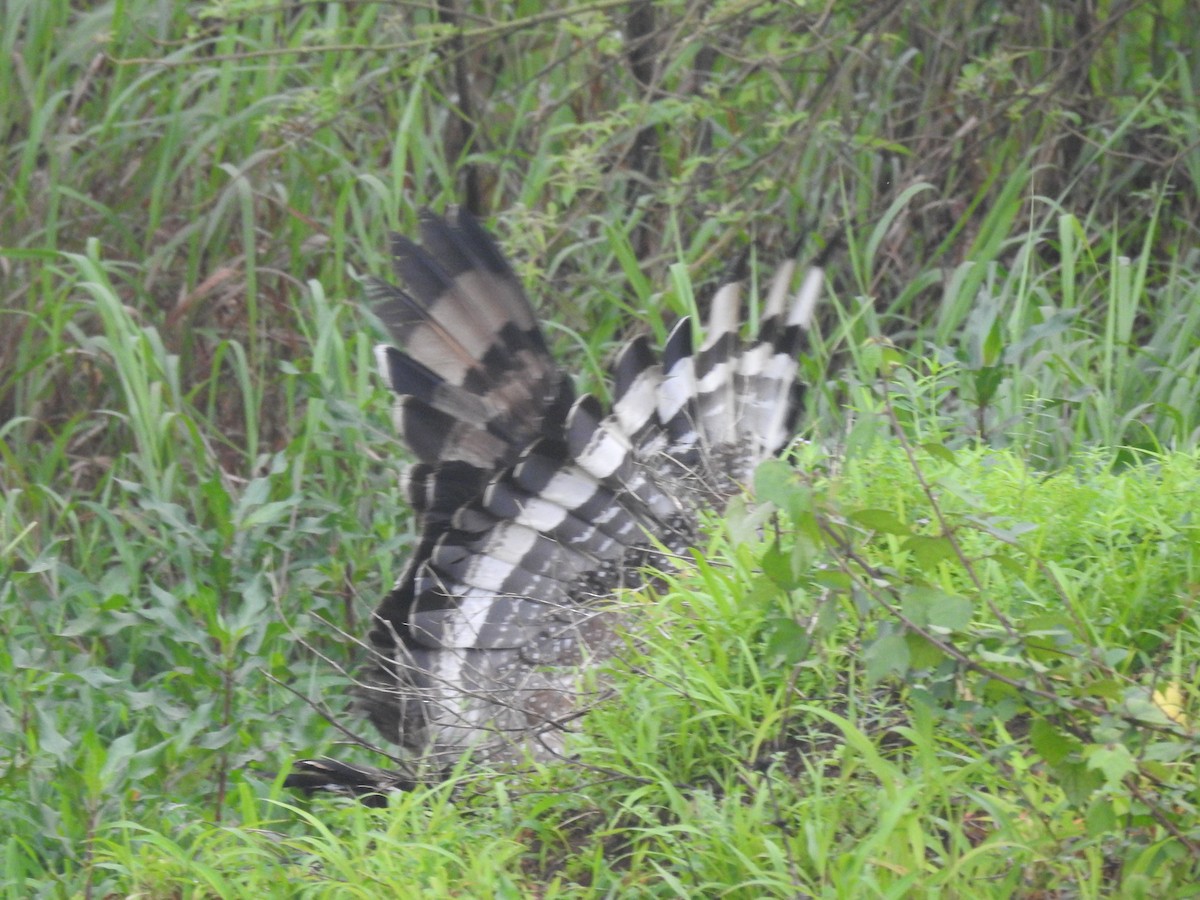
{"x":842,"y":708}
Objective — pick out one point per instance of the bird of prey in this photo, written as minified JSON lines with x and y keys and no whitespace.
{"x":534,"y":507}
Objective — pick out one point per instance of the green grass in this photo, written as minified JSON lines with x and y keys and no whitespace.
{"x":938,"y":679}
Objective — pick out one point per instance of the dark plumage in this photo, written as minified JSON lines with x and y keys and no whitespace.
{"x":534,"y":506}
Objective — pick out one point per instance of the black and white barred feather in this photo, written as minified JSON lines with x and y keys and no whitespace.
{"x":534,"y":506}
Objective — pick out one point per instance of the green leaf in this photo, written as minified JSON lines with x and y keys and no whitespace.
{"x":833,"y":579}
{"x":881,"y":520}
{"x":778,"y":484}
{"x":787,"y":642}
{"x":886,"y":656}
{"x":929,"y":551}
{"x":950,"y":612}
{"x":1010,"y":565}
{"x":1078,"y":782}
{"x":117,"y":755}
{"x":275,"y":511}
{"x":923,"y":653}
{"x":932,"y":608}
{"x":939,"y":451}
{"x":1051,"y":743}
{"x":1113,"y":760}
{"x":1166,"y":751}
{"x":777,"y":565}
{"x":993,"y":345}
{"x":50,"y":740}
{"x":1101,"y":818}
{"x":1058,"y":323}
{"x":774,"y":481}
{"x":878,"y":355}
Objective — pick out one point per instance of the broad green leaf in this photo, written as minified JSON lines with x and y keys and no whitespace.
{"x":774,"y":481}
{"x":923,"y":653}
{"x":929,"y":551}
{"x":787,"y":642}
{"x":951,"y":612}
{"x":1078,"y":782}
{"x":1114,"y":760}
{"x":881,"y":520}
{"x":886,"y":656}
{"x":1051,"y":743}
{"x":926,"y":607}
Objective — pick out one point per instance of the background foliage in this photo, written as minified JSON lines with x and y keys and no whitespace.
{"x":198,"y":475}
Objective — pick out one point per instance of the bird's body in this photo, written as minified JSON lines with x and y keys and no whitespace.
{"x":533,"y":506}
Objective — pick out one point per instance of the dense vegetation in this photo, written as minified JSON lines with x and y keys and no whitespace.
{"x":962,"y":657}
